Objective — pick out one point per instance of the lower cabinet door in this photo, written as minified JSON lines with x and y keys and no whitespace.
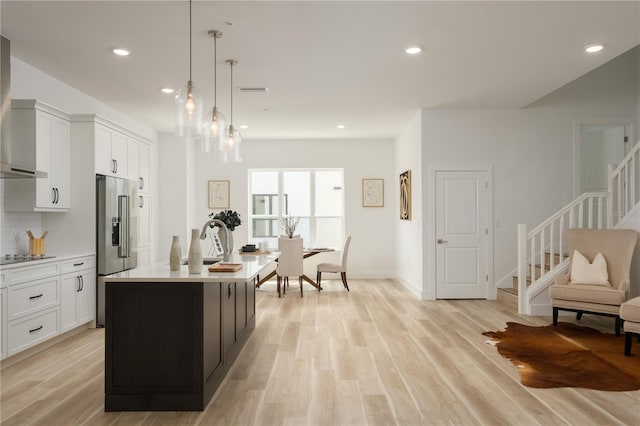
{"x":241,"y":307}
{"x":69,"y":287}
{"x":86,"y":298}
{"x":228,"y":316}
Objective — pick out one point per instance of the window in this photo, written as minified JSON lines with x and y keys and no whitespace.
{"x":313,"y":195}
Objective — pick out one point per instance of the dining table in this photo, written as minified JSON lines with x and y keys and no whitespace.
{"x":305,"y":254}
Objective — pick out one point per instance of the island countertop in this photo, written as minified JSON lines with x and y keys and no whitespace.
{"x":160,"y":272}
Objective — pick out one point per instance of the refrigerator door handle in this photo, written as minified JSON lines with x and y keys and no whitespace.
{"x":123,"y":212}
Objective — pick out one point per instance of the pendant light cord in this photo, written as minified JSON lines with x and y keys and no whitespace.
{"x":231,"y":122}
{"x":189,"y":40}
{"x":215,"y":73}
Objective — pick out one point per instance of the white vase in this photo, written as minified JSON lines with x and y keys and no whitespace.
{"x":195,"y":253}
{"x":175,"y":255}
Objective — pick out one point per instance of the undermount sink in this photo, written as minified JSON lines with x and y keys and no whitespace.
{"x":205,"y":260}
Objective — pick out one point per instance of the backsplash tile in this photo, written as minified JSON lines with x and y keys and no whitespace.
{"x":14,"y":226}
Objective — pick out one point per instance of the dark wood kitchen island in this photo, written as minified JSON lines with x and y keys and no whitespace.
{"x":172,"y":336}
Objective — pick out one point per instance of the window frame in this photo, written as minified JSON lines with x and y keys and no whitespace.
{"x":283,"y":202}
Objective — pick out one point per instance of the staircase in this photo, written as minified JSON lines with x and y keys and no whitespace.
{"x":544,"y":244}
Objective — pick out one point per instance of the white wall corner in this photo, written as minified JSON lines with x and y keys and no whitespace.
{"x":414,"y":288}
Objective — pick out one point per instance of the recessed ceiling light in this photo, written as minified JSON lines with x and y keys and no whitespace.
{"x":167,"y":90}
{"x":413,"y":50}
{"x":593,"y":48}
{"x":244,"y":126}
{"x":121,"y":51}
{"x":340,"y":126}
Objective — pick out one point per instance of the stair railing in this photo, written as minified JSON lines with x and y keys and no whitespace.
{"x":624,"y":185}
{"x":590,"y":210}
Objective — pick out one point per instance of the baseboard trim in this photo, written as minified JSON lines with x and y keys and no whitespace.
{"x":417,"y":291}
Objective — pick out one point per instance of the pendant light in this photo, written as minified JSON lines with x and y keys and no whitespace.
{"x":214,"y":126}
{"x":188,"y":104}
{"x":234,"y":138}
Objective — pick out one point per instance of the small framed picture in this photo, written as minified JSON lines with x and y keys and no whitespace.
{"x":405,"y":195}
{"x":372,"y":192}
{"x":218,"y":194}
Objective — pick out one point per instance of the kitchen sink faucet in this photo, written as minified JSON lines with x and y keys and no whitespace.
{"x":227,"y":240}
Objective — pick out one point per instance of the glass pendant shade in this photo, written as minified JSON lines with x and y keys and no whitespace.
{"x":215,"y":128}
{"x":234,"y":141}
{"x":189,"y":110}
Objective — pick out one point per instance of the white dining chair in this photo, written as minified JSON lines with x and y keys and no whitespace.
{"x":289,"y":262}
{"x":337,"y":267}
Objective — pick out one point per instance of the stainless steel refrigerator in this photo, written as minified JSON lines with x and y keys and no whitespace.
{"x":117,"y":231}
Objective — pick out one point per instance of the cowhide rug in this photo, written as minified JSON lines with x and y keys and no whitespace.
{"x":568,"y":356}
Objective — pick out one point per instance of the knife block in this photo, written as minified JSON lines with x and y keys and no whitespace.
{"x":36,"y":246}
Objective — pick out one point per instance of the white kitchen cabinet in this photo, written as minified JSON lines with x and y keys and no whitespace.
{"x":78,"y":299}
{"x":111,"y":150}
{"x":3,"y":323}
{"x":133,"y":166}
{"x":144,"y":218}
{"x":43,"y":299}
{"x":78,"y":292}
{"x":45,"y":144}
{"x":144,"y":167}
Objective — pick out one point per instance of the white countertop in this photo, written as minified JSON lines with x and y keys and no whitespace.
{"x":43,"y":261}
{"x":159,"y":272}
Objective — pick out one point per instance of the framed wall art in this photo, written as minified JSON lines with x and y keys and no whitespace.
{"x":405,"y":195}
{"x":218,"y":194}
{"x":372,"y":192}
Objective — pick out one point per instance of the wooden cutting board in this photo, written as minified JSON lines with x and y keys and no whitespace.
{"x":225,"y":267}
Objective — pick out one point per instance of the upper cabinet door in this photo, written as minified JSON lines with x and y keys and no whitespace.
{"x":119,"y":151}
{"x":104,"y":161}
{"x":45,"y":194}
{"x":133,"y":169}
{"x":61,"y":164}
{"x":144,"y":168}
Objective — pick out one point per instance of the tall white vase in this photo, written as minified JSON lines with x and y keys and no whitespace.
{"x":175,"y":255}
{"x":195,"y":253}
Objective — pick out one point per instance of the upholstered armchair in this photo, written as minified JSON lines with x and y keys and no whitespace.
{"x":616,"y":245}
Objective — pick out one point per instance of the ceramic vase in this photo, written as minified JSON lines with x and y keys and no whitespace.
{"x":195,"y":253}
{"x":175,"y":255}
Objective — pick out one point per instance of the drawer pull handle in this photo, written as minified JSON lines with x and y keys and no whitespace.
{"x":229,"y":291}
{"x":35,"y":297}
{"x":36,"y":329}
{"x":78,"y":264}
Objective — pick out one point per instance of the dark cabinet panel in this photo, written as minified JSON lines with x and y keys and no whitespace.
{"x":212,"y":329}
{"x":241,"y":307}
{"x":169,"y":345}
{"x":251,"y":301}
{"x":228,"y":316}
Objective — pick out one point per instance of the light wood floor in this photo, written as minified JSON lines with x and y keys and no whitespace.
{"x":376,"y":355}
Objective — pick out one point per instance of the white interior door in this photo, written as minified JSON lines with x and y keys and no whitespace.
{"x":462,"y":242}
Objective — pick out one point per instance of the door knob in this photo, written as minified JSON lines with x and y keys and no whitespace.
{"x":440,"y":241}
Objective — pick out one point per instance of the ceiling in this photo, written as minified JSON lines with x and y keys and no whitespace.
{"x":324,"y":62}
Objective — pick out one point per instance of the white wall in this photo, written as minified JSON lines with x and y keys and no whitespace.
{"x":530,"y":149}
{"x":408,"y":233}
{"x":174,"y":195}
{"x":372,"y":229}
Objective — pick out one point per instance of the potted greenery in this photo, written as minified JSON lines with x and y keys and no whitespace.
{"x":229,"y":217}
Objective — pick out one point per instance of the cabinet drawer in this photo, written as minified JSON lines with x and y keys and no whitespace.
{"x":29,"y":273}
{"x":34,"y":296}
{"x":32,"y":330}
{"x":78,"y":264}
